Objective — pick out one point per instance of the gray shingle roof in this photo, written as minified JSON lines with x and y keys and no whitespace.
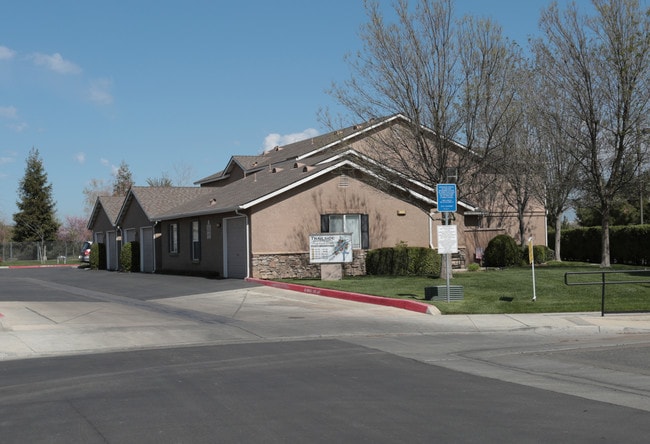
{"x":111,"y":206}
{"x":155,"y":201}
{"x":287,"y":152}
{"x":237,"y":194}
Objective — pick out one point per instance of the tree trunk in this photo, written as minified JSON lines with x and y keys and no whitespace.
{"x":558,"y":236}
{"x":522,"y":226}
{"x":604,"y":239}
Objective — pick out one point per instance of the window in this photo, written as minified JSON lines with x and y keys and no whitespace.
{"x":196,"y":241}
{"x":357,"y":224}
{"x":129,"y":235}
{"x":173,"y":238}
{"x":452,"y":174}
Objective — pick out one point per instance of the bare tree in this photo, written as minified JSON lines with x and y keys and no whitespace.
{"x":162,"y":181}
{"x":451,"y":80}
{"x":94,"y":189}
{"x":183,"y":173}
{"x":520,"y":169}
{"x":558,"y":166}
{"x":601,"y":65}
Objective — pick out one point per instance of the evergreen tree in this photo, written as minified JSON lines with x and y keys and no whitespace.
{"x":123,"y":180}
{"x":35,"y":220}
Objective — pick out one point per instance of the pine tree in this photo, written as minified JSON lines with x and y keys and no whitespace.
{"x":123,"y":180}
{"x":35,"y":220}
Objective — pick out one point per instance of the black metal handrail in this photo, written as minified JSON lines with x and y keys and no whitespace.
{"x":604,"y":282}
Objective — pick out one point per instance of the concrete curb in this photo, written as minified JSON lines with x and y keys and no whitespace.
{"x":404,"y":304}
{"x":11,"y":267}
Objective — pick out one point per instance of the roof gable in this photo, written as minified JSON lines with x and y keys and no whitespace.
{"x":155,"y":201}
{"x":110,"y":205}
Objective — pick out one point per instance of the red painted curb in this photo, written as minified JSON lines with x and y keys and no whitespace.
{"x":418,"y":307}
{"x":40,"y":266}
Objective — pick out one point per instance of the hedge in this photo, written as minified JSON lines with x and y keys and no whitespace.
{"x":403,"y":261}
{"x":628,"y":244}
{"x":130,"y":257}
{"x":97,"y":256}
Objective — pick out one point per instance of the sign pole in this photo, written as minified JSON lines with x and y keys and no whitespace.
{"x":531,"y":258}
{"x":447,"y":259}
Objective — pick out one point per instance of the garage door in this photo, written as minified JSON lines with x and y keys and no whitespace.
{"x":111,"y":252}
{"x":147,"y":258}
{"x":236,"y":248}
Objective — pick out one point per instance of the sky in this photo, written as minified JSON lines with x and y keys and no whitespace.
{"x":175,"y":86}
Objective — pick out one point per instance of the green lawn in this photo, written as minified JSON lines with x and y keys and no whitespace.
{"x":510,"y":290}
{"x":70,"y":261}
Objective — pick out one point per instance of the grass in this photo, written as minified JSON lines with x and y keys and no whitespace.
{"x":511,"y":290}
{"x":70,"y":261}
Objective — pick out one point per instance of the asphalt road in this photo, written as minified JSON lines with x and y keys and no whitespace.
{"x":274,"y":366}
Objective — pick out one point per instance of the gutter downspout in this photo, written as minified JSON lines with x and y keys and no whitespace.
{"x":153,"y":241}
{"x":431,"y":216}
{"x":118,"y":241}
{"x":248,"y":247}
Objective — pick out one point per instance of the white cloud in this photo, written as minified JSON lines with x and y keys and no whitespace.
{"x":6,"y":53}
{"x":11,"y":113}
{"x":100,"y":91}
{"x":8,"y":112}
{"x":80,"y":158}
{"x":108,"y":164}
{"x":18,"y":127}
{"x":6,"y":160}
{"x":275,"y":139}
{"x":56,"y":63}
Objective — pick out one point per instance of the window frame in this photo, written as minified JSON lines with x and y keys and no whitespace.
{"x":195,"y":241}
{"x":360,"y":239}
{"x":173,"y":238}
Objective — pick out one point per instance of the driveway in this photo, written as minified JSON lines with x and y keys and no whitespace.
{"x":70,"y":311}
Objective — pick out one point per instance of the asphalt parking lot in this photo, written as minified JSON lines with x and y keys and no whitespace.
{"x":75,"y":314}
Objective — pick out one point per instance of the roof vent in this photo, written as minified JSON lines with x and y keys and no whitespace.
{"x":213,"y":202}
{"x":277,"y":148}
{"x":276,"y":170}
{"x":307,"y":168}
{"x":298,"y":165}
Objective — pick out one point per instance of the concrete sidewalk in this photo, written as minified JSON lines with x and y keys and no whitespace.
{"x":33,"y":329}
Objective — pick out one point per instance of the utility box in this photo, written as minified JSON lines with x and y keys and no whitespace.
{"x":439,"y":293}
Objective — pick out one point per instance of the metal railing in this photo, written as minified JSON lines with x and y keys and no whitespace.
{"x":604,"y":282}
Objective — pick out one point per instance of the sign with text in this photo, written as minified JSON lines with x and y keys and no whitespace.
{"x":330,"y":248}
{"x":446,"y":195}
{"x":447,"y":239}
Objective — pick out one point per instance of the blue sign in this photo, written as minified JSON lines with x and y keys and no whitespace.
{"x":446,"y":194}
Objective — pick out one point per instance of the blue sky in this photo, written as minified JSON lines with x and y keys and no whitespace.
{"x":170,"y":85}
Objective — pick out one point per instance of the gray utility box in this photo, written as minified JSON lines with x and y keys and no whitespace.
{"x":439,"y":293}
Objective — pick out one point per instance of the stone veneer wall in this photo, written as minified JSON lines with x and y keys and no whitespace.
{"x":297,"y":266}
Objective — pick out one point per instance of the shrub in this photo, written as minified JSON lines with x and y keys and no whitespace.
{"x":403,"y":261}
{"x":540,"y":254}
{"x":473,"y":267}
{"x":97,"y":256}
{"x":502,"y":251}
{"x":130,"y":257}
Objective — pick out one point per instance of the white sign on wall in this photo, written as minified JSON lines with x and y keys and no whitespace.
{"x":330,"y":248}
{"x":447,"y":239}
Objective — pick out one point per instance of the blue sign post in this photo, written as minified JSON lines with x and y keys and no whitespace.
{"x":446,"y":195}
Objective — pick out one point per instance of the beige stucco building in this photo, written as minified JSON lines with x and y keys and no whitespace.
{"x":254,"y":218}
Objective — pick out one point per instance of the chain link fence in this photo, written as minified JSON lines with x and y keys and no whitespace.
{"x":49,"y":251}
